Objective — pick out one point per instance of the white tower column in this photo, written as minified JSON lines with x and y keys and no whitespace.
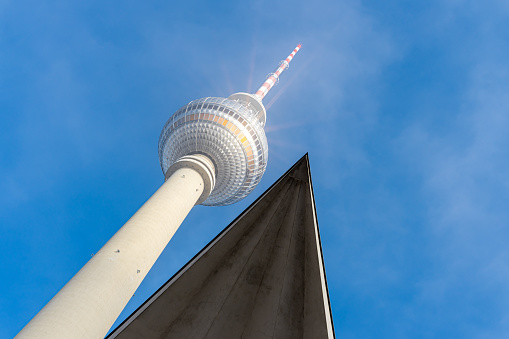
{"x":230,"y":133}
{"x":88,"y":305}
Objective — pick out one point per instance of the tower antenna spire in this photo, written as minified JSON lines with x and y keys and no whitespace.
{"x":273,"y":78}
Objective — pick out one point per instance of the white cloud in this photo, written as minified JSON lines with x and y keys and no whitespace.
{"x":464,"y":180}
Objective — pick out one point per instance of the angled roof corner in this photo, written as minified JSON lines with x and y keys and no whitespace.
{"x":262,"y":276}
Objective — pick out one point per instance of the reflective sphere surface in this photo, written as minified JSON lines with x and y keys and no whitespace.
{"x":226,"y":131}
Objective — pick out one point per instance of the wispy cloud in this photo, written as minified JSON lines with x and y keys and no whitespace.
{"x":464,"y":171}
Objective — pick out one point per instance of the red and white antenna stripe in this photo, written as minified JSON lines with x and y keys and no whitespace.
{"x":273,"y":78}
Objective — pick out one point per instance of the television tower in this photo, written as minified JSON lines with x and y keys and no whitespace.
{"x":213,"y":151}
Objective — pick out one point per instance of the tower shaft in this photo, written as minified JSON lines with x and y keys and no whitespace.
{"x":206,"y":138}
{"x":88,"y":305}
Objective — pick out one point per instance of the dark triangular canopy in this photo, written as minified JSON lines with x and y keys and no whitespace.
{"x":261,"y":277}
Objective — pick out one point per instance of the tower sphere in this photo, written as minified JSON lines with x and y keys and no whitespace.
{"x":230,"y":133}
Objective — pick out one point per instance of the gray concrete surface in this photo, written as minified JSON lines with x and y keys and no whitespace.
{"x":262,"y":277}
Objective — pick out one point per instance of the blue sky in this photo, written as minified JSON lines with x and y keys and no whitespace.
{"x":402,"y":106}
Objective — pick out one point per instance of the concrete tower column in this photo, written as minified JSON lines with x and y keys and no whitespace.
{"x":230,"y":132}
{"x":88,"y":305}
